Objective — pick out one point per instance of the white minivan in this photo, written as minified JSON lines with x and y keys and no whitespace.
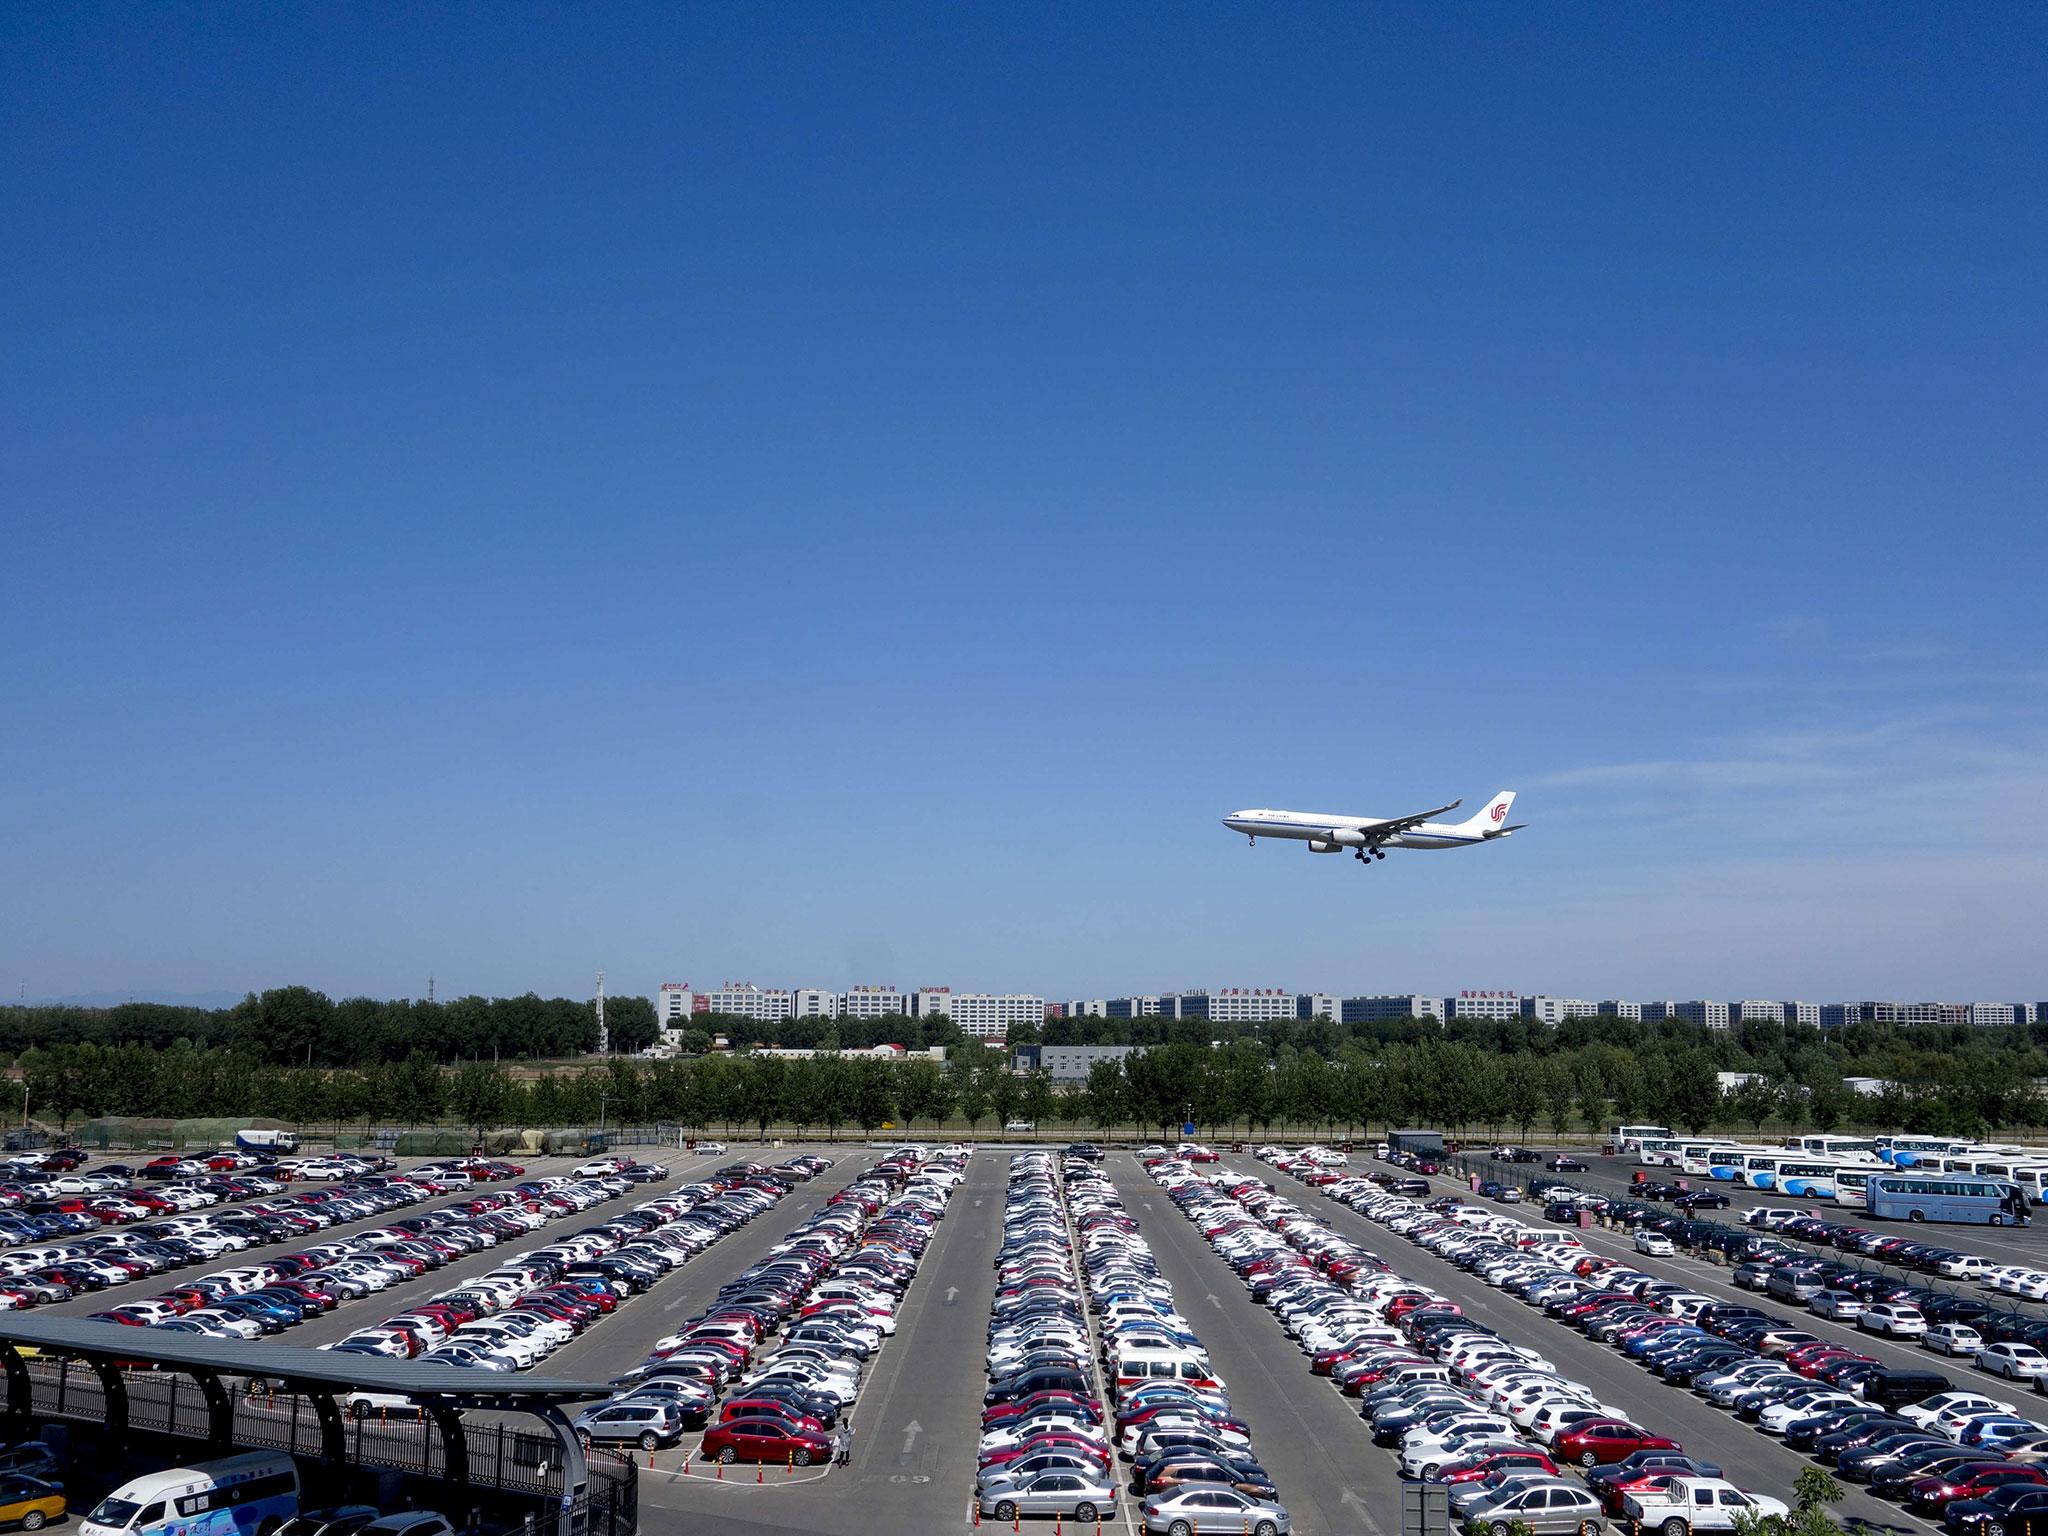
{"x":257,"y":1490}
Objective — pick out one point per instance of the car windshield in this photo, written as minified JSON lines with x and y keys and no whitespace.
{"x":115,"y":1512}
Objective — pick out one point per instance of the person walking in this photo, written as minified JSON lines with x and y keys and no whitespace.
{"x":842,"y":1445}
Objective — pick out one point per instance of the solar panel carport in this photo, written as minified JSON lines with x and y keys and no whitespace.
{"x":317,"y":1374}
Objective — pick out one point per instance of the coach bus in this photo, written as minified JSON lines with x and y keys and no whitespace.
{"x":1838,"y":1146}
{"x":1627,"y":1138}
{"x":1950,"y":1197}
{"x":1808,"y":1178}
{"x":1852,"y":1186}
{"x":2030,"y":1175}
{"x":1730,"y":1162}
{"x":1905,"y":1151}
{"x":1662,"y":1150}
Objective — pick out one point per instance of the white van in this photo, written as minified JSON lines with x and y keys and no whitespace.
{"x":256,"y":1491}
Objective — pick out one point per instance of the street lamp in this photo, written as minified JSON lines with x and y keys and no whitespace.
{"x":602,"y":1099}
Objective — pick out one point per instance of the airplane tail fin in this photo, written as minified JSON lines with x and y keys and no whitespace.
{"x":1492,"y":818}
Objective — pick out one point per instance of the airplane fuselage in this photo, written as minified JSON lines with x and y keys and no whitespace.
{"x":1314,"y":826}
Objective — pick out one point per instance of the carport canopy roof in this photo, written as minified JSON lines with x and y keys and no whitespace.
{"x":289,"y":1364}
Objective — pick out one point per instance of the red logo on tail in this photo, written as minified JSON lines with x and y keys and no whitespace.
{"x":1500,"y":811}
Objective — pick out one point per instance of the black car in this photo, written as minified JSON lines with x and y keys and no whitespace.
{"x":1085,"y":1149}
{"x":1564,"y":1164}
{"x":1702,"y":1200}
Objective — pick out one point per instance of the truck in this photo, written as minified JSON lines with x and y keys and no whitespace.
{"x":1674,"y":1506}
{"x":266,"y":1141}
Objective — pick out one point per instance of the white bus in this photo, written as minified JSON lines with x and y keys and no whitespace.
{"x":1693,"y":1155}
{"x":2030,"y":1176}
{"x":1908,"y":1151}
{"x":235,"y":1496}
{"x":1629,"y":1137}
{"x":1732,"y":1163}
{"x":1660,"y":1150}
{"x":1839,"y":1146}
{"x":1852,"y":1184}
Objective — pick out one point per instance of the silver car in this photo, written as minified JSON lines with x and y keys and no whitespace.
{"x":1557,"y":1509}
{"x":1213,"y":1512}
{"x":1079,"y":1495}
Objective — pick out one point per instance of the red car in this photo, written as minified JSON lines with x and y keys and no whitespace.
{"x":1932,"y":1495}
{"x":1597,"y":1442}
{"x":1471,"y":1468}
{"x":763,"y":1439}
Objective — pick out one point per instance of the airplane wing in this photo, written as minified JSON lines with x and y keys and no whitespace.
{"x":1399,"y":824}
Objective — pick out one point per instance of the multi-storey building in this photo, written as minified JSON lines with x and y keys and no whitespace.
{"x":742,"y":999}
{"x":1620,"y":1008}
{"x":813,"y":1003}
{"x":1483,"y":1005}
{"x":1555,"y":1010}
{"x":1131,"y":1008}
{"x":672,"y":1005}
{"x":1317,"y":1005}
{"x":1069,"y":1063}
{"x":1251,"y":1005}
{"x":1384,"y":1010}
{"x":1751,"y":1011}
{"x":873,"y":1003}
{"x":987,"y":1017}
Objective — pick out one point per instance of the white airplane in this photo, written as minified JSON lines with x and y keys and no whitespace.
{"x":1369,"y":837}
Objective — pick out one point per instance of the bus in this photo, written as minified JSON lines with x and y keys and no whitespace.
{"x":1905,"y":1151}
{"x":1661,"y":1150}
{"x":2029,"y":1174}
{"x":1730,"y":1162}
{"x":1951,"y":1197}
{"x":235,"y":1496}
{"x":1693,"y":1156}
{"x":1628,"y":1137}
{"x":1837,"y":1146}
{"x":1852,"y":1186}
{"x":1807,"y":1178}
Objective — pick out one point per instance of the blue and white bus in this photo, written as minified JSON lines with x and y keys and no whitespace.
{"x":1731,"y":1162}
{"x":1839,"y":1146}
{"x":1948,"y":1197}
{"x":1905,"y":1151}
{"x":247,"y":1495}
{"x":1808,"y":1178}
{"x":1852,"y":1186}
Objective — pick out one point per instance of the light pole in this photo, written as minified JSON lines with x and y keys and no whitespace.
{"x":602,"y":1099}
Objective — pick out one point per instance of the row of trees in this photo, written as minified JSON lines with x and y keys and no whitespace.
{"x":1239,"y":1087}
{"x":297,"y":1026}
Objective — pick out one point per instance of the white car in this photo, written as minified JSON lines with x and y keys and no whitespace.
{"x":1924,"y":1413}
{"x":1656,"y":1244}
{"x":2016,"y":1362}
{"x":1952,"y":1339}
{"x":1842,"y":1306}
{"x":1893,"y":1319}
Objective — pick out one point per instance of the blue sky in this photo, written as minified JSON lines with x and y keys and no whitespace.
{"x":838,"y":494}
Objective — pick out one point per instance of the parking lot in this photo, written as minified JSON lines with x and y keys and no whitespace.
{"x":917,"y":1417}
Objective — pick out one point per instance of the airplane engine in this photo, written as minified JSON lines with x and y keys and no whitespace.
{"x":1317,"y":845}
{"x":1346,"y":837}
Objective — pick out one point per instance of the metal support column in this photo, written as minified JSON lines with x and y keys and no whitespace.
{"x":575,"y":1471}
{"x":114,"y":1388}
{"x":333,"y":1432}
{"x":220,"y":1410}
{"x":21,"y":1405}
{"x":454,"y":1445}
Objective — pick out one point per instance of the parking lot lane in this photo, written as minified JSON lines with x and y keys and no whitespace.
{"x":914,"y":1423}
{"x":1752,"y":1459}
{"x":621,"y":1341}
{"x":1330,"y":1475}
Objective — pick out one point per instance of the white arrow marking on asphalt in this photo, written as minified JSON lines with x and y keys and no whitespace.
{"x":910,"y":1435}
{"x":1213,"y":1301}
{"x":951,"y":1292}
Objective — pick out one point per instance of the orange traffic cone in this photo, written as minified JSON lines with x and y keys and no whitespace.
{"x":760,"y":1473}
{"x":721,"y":1471}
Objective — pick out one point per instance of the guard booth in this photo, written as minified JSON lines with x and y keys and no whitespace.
{"x":1417,"y":1143}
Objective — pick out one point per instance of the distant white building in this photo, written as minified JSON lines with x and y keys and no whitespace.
{"x":743,"y":999}
{"x":876,"y":1052}
{"x":813,"y":1003}
{"x":873,"y":1003}
{"x":1985,"y":1014}
{"x":1389,"y":1009}
{"x":1251,"y":1005}
{"x":1868,"y":1086}
{"x":1484,"y":1005}
{"x":1730,"y":1081}
{"x":1088,"y":1008}
{"x":672,"y":1005}
{"x":1555,"y":1010}
{"x":1752,"y":1011}
{"x":1711,"y":1015}
{"x":1803,"y":1013}
{"x":1318,"y":1005}
{"x":982,"y":1015}
{"x":1618,"y":1008}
